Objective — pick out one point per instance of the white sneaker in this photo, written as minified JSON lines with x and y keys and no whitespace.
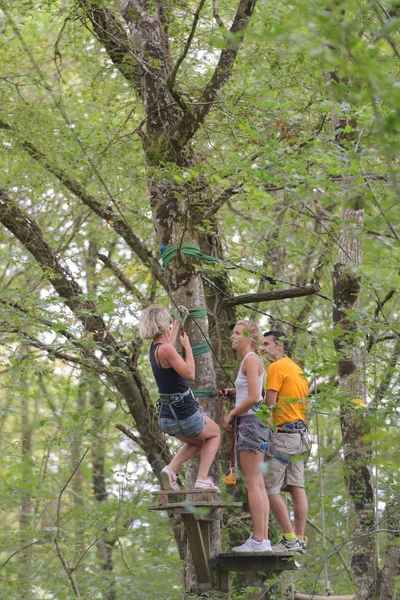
{"x":169,"y":479}
{"x":251,"y":545}
{"x":206,"y":484}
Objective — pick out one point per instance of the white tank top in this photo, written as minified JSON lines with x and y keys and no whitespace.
{"x":242,"y":388}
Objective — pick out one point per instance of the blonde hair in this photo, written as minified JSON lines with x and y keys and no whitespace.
{"x":153,"y":322}
{"x":253,"y":331}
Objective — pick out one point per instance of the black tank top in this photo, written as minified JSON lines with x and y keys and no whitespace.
{"x":168,"y":382}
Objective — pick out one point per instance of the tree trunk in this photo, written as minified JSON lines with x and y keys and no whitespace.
{"x":357,"y":451}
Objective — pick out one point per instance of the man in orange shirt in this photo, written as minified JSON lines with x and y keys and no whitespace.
{"x":286,"y":393}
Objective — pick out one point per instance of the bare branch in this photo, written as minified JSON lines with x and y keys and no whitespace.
{"x":124,"y":280}
{"x":216,"y":14}
{"x":389,"y":373}
{"x":181,"y":58}
{"x":129,"y":434}
{"x":274,"y":295}
{"x":224,"y":197}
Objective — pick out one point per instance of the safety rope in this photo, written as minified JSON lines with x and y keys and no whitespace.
{"x":319,"y":463}
{"x":375,"y":446}
{"x":230,"y":478}
{"x":190,"y":248}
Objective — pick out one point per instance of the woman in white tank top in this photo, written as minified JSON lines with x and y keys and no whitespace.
{"x":252,"y":435}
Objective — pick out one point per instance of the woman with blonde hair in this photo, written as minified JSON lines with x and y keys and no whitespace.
{"x":179,"y":415}
{"x":252,"y":435}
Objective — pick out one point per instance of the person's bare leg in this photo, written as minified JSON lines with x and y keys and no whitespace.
{"x":211,"y":437}
{"x":300,"y":508}
{"x":250,"y":462}
{"x":266,"y":506}
{"x":186,"y":452}
{"x":280,"y":512}
{"x":207,"y":444}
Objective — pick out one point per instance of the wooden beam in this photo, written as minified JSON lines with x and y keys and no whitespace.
{"x":199,"y":553}
{"x":299,"y":596}
{"x":189,"y":506}
{"x":306,"y":290}
{"x":254,"y":562}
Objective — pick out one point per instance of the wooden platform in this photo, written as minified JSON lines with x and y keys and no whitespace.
{"x":198,"y":508}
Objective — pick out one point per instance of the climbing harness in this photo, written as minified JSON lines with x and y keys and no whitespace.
{"x":173,"y":401}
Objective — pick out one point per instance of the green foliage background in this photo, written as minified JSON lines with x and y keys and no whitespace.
{"x":270,"y":138}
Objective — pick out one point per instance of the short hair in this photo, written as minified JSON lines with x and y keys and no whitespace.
{"x":253,"y":330}
{"x":279,"y":337}
{"x":153,"y":321}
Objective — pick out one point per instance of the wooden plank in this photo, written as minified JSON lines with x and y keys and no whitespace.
{"x":184,"y":491}
{"x":224,"y":581}
{"x":299,"y":596}
{"x":205,"y":532}
{"x":200,"y":558}
{"x":254,"y":562}
{"x":194,"y":503}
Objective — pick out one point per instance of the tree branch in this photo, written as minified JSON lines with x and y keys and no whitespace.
{"x":193,"y":119}
{"x":274,"y":295}
{"x":181,"y":58}
{"x":389,"y":373}
{"x":113,"y":36}
{"x":104,"y":212}
{"x":27,"y":231}
{"x":124,"y":280}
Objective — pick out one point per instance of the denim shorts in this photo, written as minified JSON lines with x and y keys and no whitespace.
{"x":190,"y":427}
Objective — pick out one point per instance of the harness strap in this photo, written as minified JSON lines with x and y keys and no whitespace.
{"x":261,"y":447}
{"x":176,"y":419}
{"x":175,"y":397}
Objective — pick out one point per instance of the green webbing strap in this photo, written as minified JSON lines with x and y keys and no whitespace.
{"x":204,"y":393}
{"x":190,"y":248}
{"x":201,"y":348}
{"x":198,"y":312}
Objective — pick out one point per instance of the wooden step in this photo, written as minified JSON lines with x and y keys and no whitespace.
{"x":183,"y":491}
{"x":236,"y":561}
{"x":188,"y":506}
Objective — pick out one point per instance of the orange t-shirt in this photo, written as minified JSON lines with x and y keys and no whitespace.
{"x":285,"y":377}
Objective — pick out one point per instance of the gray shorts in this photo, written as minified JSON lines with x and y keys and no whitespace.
{"x":280,"y":475}
{"x":251,"y":427}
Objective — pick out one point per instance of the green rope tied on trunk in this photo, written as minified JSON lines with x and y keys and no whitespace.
{"x":204,"y":393}
{"x":201,"y":348}
{"x":189,"y":248}
{"x":199,"y":312}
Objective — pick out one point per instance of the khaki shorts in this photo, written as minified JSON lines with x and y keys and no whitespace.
{"x":280,"y":475}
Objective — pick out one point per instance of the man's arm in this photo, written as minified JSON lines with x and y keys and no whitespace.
{"x":271,"y":397}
